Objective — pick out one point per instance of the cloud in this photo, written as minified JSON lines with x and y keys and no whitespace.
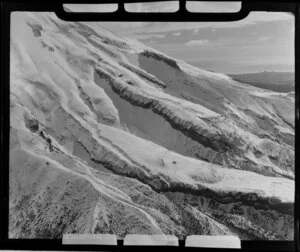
{"x":171,"y":6}
{"x":130,"y":28}
{"x":196,"y":31}
{"x":176,"y":34}
{"x":264,"y":38}
{"x":213,"y":6}
{"x":196,"y":42}
{"x":90,"y":7}
{"x":147,"y":36}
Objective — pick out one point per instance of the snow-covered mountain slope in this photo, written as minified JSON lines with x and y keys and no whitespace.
{"x":111,"y":136}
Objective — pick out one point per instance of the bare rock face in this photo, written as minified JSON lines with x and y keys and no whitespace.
{"x":31,"y":123}
{"x":99,"y":144}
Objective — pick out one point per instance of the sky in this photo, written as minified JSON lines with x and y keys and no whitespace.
{"x":263,"y":41}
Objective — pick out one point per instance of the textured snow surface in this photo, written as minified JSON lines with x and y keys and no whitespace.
{"x":136,"y":128}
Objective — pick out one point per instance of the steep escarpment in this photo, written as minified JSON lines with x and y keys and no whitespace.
{"x":220,"y":143}
{"x":151,"y":126}
{"x":110,"y":136}
{"x":187,"y":127}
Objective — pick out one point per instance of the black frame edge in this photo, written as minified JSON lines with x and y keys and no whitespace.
{"x":7,"y":8}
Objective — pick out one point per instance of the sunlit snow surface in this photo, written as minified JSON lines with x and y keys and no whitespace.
{"x":219,"y":140}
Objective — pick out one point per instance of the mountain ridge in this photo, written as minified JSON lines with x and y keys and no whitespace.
{"x":86,"y":102}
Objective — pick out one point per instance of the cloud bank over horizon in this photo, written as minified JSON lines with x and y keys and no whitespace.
{"x":261,"y":41}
